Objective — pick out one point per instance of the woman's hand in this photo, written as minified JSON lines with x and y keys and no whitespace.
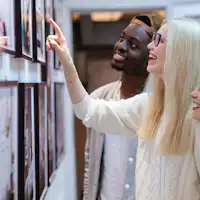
{"x":57,"y":42}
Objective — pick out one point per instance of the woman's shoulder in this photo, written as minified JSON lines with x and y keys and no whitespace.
{"x":141,"y":98}
{"x":134,"y":105}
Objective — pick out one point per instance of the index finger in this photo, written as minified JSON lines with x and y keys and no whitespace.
{"x":57,"y":28}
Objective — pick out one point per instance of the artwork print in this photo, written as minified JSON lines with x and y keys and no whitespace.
{"x":43,"y":159}
{"x":29,"y":149}
{"x":26,"y":13}
{"x":7,"y":25}
{"x":40,"y":27}
{"x":7,"y":146}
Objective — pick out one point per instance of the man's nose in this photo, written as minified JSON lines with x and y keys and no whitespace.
{"x":124,"y":45}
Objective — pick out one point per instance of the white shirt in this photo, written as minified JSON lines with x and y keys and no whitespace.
{"x":157,"y":177}
{"x":115,"y":158}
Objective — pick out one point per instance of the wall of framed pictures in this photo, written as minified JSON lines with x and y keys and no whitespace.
{"x":32,"y":144}
{"x":22,"y":28}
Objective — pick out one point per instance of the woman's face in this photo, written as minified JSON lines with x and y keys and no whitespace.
{"x":157,"y":52}
{"x":196,"y":101}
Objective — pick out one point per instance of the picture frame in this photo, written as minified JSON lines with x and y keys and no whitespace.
{"x":51,"y":130}
{"x":42,"y":135}
{"x":27,"y":139}
{"x":59,"y":122}
{"x":8,"y":26}
{"x":8,"y":140}
{"x":39,"y":37}
{"x":49,"y":6}
{"x":27,"y":29}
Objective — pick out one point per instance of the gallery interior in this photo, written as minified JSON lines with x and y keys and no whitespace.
{"x":41,"y":141}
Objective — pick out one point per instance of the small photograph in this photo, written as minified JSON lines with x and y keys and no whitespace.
{"x":40,"y":27}
{"x":43,"y":150}
{"x":7,"y":26}
{"x":29,"y":179}
{"x":26,"y":14}
{"x":7,"y":146}
{"x":59,"y":121}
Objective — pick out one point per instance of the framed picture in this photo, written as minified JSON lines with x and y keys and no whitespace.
{"x":43,"y":140}
{"x":7,"y":26}
{"x":59,"y":121}
{"x":58,"y":18}
{"x":39,"y":38}
{"x":29,"y":145}
{"x":51,"y":135}
{"x":8,"y":141}
{"x":50,"y":65}
{"x":27,"y":28}
{"x":26,"y":143}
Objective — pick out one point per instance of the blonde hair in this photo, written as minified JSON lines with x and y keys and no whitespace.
{"x":170,"y":98}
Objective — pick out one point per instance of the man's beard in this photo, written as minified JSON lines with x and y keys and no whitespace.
{"x":120,"y":69}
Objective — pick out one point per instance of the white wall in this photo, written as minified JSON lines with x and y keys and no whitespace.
{"x":64,"y":181}
{"x":64,"y":185}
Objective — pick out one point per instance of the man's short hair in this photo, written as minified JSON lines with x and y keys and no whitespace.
{"x":150,"y":22}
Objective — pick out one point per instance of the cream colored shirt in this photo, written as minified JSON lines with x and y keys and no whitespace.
{"x":157,"y":177}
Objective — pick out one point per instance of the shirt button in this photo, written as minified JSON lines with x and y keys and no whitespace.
{"x":127,"y":186}
{"x":130,"y":159}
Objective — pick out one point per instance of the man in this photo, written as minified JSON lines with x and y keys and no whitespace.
{"x":109,"y":159}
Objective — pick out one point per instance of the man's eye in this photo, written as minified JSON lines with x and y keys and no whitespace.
{"x":134,"y":46}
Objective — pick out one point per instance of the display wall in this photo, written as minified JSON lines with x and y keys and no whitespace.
{"x":32,"y":141}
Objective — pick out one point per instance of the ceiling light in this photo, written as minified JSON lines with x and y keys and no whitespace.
{"x":106,"y":16}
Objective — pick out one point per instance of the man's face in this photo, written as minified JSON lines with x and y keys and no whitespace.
{"x":130,"y":52}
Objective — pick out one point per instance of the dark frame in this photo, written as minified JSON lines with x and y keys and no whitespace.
{"x":26,"y":31}
{"x":21,"y":141}
{"x":58,"y":157}
{"x":12,"y":190}
{"x":42,"y":189}
{"x":37,"y":42}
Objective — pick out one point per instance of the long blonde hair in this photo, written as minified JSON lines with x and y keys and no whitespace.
{"x":170,"y":98}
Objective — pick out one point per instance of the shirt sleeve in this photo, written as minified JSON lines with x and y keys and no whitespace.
{"x":115,"y":117}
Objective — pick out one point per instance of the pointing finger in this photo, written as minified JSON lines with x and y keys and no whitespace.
{"x":57,"y":29}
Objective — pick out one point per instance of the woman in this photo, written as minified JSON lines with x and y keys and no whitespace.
{"x":167,"y":158}
{"x":196,"y":101}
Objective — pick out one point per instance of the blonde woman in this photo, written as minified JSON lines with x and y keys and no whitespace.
{"x":196,"y":101}
{"x":168,"y":157}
